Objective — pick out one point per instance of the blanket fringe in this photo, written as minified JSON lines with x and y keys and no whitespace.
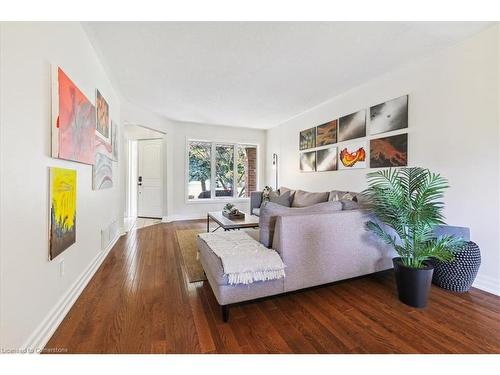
{"x":251,"y":276}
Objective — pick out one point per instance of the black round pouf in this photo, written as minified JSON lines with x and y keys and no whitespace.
{"x":459,"y":274}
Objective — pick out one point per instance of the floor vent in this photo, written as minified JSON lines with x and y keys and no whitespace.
{"x":108,"y":235}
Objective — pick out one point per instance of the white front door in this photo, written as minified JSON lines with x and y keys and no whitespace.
{"x":149,"y":178}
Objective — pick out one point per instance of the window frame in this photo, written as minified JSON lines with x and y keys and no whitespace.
{"x":213,"y":166}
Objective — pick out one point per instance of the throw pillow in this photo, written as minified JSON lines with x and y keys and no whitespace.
{"x":283,"y":199}
{"x":306,"y":199}
{"x":337,"y":195}
{"x":348,"y":204}
{"x":284,"y":189}
{"x":271,"y":211}
{"x":265,"y":194}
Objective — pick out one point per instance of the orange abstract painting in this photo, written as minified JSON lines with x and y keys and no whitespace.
{"x":353,"y":156}
{"x":103,"y":122}
{"x":75,"y":122}
{"x":389,"y":151}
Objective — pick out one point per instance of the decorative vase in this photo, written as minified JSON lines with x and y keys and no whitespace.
{"x":459,"y":274}
{"x":413,"y":283}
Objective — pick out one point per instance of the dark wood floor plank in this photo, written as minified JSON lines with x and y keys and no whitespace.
{"x":140,"y":301}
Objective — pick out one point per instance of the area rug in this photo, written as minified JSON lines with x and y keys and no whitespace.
{"x":186,"y":238}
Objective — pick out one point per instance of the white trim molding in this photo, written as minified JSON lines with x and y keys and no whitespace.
{"x":488,"y":284}
{"x":42,"y":334}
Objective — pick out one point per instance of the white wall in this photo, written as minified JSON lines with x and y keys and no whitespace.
{"x":453,"y":129}
{"x":176,"y":135}
{"x":32,"y":292}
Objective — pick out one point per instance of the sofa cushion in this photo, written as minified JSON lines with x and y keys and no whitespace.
{"x":305,"y":199}
{"x":269,"y":213}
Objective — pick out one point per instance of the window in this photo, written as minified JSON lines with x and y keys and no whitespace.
{"x":221,"y":170}
{"x":199,"y":170}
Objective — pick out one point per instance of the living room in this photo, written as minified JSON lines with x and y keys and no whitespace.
{"x":250,"y":187}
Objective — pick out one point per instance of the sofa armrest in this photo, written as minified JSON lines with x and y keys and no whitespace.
{"x":255,"y":200}
{"x":324,"y":247}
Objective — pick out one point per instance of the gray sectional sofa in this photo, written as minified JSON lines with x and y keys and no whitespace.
{"x":319,"y":244}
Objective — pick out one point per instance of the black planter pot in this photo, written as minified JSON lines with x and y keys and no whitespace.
{"x":413,"y":284}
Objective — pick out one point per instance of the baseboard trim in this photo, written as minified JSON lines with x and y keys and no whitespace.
{"x":37,"y":341}
{"x":171,"y":218}
{"x":488,"y":284}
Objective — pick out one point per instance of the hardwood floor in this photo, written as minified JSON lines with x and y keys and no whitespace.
{"x":139,"y":301}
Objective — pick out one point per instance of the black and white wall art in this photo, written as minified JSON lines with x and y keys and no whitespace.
{"x":326,"y":159}
{"x":352,"y":126}
{"x":389,"y":116}
{"x":308,"y":161}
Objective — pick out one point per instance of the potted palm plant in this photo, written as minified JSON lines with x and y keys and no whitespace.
{"x":407,"y":203}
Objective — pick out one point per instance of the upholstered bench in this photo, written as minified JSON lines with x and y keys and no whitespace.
{"x":227,"y":294}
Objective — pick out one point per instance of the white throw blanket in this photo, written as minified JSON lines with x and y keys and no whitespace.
{"x":244,"y":260}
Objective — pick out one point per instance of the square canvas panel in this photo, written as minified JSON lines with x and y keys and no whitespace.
{"x":389,"y":116}
{"x":74,"y":121}
{"x":326,"y":134}
{"x":114,"y":140}
{"x":103,"y":121}
{"x":326,"y":160}
{"x":352,"y":126}
{"x":307,"y":139}
{"x":308,"y":161}
{"x":62,"y":231}
{"x":102,"y":172}
{"x":352,"y":156}
{"x":389,"y":151}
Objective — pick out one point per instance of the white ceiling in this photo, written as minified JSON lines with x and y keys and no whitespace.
{"x":257,"y":74}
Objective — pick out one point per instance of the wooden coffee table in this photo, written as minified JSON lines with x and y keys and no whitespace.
{"x":250,"y":221}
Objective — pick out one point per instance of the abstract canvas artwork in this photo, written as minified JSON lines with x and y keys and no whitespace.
{"x":74,"y":121}
{"x":104,"y":147}
{"x":353,"y":156}
{"x":103,"y":122}
{"x":326,"y":134}
{"x":389,"y":116}
{"x":326,"y":159}
{"x":307,"y":139}
{"x":308,"y":161}
{"x":389,"y":151}
{"x":114,"y":141}
{"x":62,"y":231}
{"x":102,"y":172}
{"x":352,"y":126}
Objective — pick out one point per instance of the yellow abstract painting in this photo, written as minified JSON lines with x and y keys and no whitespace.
{"x":62,"y":210}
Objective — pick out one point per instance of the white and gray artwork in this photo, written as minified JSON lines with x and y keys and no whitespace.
{"x":308,"y":161}
{"x":352,"y":126}
{"x":389,"y":116}
{"x":326,"y":159}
